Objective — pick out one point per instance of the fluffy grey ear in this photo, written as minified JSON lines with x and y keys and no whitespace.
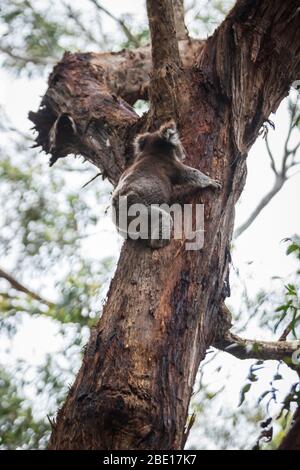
{"x":140,"y":142}
{"x":169,"y":132}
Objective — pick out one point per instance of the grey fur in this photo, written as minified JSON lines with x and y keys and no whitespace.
{"x":156,"y":176}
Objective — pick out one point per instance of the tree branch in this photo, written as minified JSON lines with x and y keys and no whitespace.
{"x":21,"y":288}
{"x":256,"y":46}
{"x":80,"y":114}
{"x":294,"y":150}
{"x":164,"y":45}
{"x":273,"y":165}
{"x":83,"y":109}
{"x":281,"y":176}
{"x":287,"y":152}
{"x":168,"y":92}
{"x":279,"y":182}
{"x":243,"y":348}
{"x":26,"y":59}
{"x":181,"y":29}
{"x":255,"y":349}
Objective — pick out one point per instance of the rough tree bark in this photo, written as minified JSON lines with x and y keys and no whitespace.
{"x":292,"y":440}
{"x":163,"y":307}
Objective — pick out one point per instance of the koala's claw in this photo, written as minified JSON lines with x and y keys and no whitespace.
{"x":216,"y":184}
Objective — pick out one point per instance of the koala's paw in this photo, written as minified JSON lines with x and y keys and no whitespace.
{"x":216,"y":184}
{"x":169,"y":132}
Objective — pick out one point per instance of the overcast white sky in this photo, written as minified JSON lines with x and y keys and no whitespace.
{"x":261,"y":244}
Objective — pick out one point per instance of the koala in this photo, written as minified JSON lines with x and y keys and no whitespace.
{"x":157,"y":176}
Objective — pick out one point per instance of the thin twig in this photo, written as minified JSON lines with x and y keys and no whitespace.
{"x":75,"y":17}
{"x":94,"y":177}
{"x":281,"y":175}
{"x":287,"y":153}
{"x":273,"y":165}
{"x":26,"y":59}
{"x":135,"y":41}
{"x":279,"y":182}
{"x":20,"y":287}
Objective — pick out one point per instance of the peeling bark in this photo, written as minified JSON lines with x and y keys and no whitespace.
{"x":87,"y":108}
{"x":79,"y":114}
{"x":163,"y":307}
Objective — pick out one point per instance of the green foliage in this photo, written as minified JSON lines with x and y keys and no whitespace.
{"x":34,"y":35}
{"x":252,"y":377}
{"x":290,"y":309}
{"x":30,"y":35}
{"x":18,"y":428}
{"x":43,"y":228}
{"x":219,"y":423}
{"x":45,"y":222}
{"x":203,"y":17}
{"x":287,"y":314}
{"x":265,"y":406}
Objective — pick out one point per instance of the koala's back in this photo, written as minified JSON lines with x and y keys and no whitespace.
{"x":146,"y":181}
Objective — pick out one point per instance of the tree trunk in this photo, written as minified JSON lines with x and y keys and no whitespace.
{"x":163,"y":306}
{"x":292,"y":440}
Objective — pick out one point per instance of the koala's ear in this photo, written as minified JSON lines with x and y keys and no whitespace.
{"x":169,"y":125}
{"x":168,"y":132}
{"x":140,"y":142}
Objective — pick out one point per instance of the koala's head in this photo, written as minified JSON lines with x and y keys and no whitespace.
{"x":165,"y":139}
